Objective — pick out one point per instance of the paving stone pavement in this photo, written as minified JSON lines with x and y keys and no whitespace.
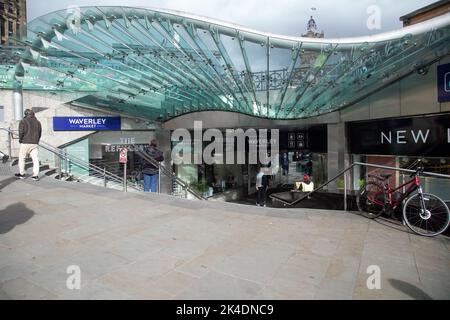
{"x":135,"y":246}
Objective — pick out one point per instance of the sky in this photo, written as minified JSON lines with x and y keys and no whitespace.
{"x":337,"y":18}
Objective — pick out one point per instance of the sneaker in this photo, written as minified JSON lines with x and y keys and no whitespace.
{"x":35,"y":178}
{"x":19,"y":176}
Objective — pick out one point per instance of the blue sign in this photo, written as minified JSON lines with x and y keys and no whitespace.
{"x":86,"y":124}
{"x":443,"y":73}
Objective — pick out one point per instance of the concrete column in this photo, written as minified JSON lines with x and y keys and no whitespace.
{"x":338,"y":158}
{"x":18,"y":105}
{"x":164,"y":144}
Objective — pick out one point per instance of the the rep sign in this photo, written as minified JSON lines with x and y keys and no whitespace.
{"x":417,"y":136}
{"x":86,"y":123}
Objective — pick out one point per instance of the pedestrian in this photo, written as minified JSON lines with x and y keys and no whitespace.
{"x":307,"y":185}
{"x":150,"y":171}
{"x":30,"y":131}
{"x":262,"y":184}
{"x":285,"y":163}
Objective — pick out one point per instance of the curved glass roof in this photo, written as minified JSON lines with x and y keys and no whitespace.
{"x":158,"y":64}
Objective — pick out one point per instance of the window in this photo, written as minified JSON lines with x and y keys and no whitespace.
{"x":10,"y":28}
{"x":2,"y":113}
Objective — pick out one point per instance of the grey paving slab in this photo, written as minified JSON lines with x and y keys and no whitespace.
{"x":219,"y":286}
{"x":153,"y":246}
{"x":22,"y":289}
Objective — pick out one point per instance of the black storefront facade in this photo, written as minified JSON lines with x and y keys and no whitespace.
{"x":399,"y":142}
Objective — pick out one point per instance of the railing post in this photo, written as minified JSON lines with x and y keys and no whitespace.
{"x":185,"y":192}
{"x":159,"y":177}
{"x":58,"y":165}
{"x":124,"y":177}
{"x":10,"y":137}
{"x":104,"y":177}
{"x":65,"y":162}
{"x":345,"y":190}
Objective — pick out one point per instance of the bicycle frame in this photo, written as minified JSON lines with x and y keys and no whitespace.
{"x":412,"y":184}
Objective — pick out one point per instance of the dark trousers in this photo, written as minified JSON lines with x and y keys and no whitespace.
{"x":261,"y":199}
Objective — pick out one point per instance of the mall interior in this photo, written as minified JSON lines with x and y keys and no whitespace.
{"x":381,"y":99}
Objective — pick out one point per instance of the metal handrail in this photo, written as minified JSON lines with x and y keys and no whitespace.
{"x":167,"y":172}
{"x":100,"y":172}
{"x":343,"y":172}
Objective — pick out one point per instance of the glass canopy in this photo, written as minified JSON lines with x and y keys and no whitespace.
{"x":157,"y":64}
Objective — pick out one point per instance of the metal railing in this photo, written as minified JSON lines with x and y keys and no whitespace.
{"x":102,"y":175}
{"x":168,"y":172}
{"x":64,"y":163}
{"x":345,"y":174}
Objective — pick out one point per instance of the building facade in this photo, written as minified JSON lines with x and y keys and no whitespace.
{"x":431,"y":11}
{"x":13,"y":19}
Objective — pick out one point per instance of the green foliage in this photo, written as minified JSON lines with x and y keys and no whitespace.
{"x":340,"y":183}
{"x":200,"y":186}
{"x":361,"y":183}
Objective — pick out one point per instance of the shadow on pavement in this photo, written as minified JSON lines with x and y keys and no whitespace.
{"x":409,"y":289}
{"x":7,"y":182}
{"x":393,"y":224}
{"x":14,"y":215}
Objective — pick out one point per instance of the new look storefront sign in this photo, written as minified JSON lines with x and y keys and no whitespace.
{"x":418,"y":136}
{"x":86,"y":123}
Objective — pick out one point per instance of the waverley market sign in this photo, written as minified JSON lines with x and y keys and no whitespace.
{"x":86,"y":123}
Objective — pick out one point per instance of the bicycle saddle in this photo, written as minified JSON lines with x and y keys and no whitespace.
{"x":382,"y":176}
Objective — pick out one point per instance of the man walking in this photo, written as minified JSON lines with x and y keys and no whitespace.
{"x":149,"y":170}
{"x":29,"y":135}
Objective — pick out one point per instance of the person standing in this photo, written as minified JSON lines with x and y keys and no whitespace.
{"x":285,"y":163}
{"x":307,"y":185}
{"x":30,"y":131}
{"x":149,"y":170}
{"x":262,"y":184}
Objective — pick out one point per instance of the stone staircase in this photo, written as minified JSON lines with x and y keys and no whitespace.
{"x":10,"y":167}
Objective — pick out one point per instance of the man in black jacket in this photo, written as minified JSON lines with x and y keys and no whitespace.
{"x":29,"y":135}
{"x":150,"y":171}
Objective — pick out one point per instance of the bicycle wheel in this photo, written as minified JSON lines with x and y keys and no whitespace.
{"x":430,"y":221}
{"x":370,"y":200}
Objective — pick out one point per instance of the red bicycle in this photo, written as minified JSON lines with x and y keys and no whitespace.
{"x":424,"y":213}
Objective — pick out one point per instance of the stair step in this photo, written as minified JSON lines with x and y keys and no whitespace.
{"x":50,"y":172}
{"x":15,"y":161}
{"x":29,"y":165}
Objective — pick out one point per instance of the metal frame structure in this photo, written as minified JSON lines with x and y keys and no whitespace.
{"x":158,"y":64}
{"x":345,"y":172}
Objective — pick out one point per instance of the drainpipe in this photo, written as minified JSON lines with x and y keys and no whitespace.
{"x":18,"y":104}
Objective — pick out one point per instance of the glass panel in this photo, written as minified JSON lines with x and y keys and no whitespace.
{"x":158,"y":64}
